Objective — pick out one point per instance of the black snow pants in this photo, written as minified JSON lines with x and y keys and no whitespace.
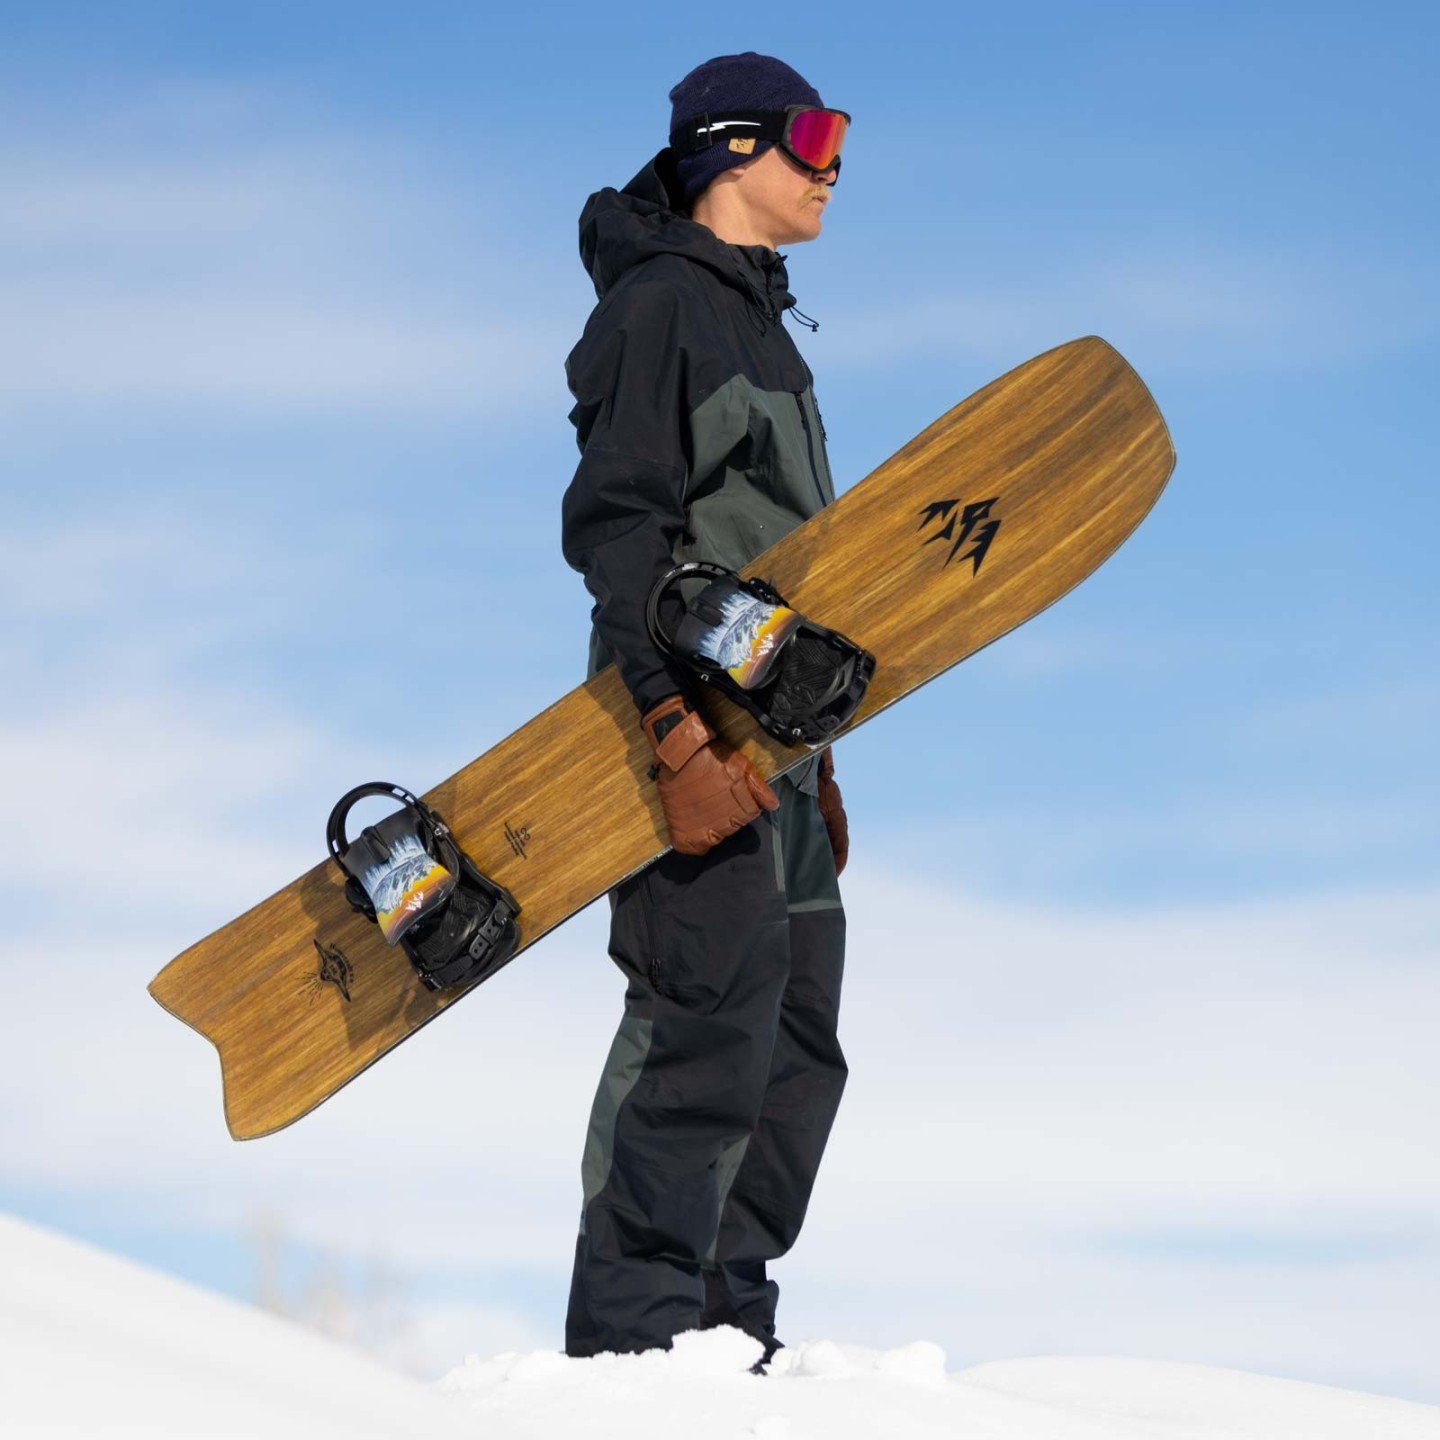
{"x":720,"y":1088}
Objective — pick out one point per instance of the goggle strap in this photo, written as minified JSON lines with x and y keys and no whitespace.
{"x":693,"y":136}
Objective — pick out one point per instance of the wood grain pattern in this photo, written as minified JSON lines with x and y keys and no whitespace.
{"x":1075,"y":452}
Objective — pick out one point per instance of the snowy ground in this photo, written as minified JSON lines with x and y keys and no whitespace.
{"x":824,"y":1391}
{"x":94,"y":1345}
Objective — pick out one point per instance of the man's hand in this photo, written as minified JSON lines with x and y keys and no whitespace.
{"x":833,"y":811}
{"x":707,"y":789}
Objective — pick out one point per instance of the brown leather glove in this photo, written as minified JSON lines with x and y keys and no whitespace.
{"x":832,"y":810}
{"x":708,"y":789}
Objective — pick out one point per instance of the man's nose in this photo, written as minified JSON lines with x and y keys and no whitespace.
{"x":828,"y":177}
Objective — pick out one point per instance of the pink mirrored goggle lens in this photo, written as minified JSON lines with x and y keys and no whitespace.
{"x":816,"y":137}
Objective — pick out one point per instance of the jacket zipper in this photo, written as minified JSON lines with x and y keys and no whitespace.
{"x":810,"y":447}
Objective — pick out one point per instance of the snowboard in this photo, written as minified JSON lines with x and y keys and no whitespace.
{"x":987,"y":517}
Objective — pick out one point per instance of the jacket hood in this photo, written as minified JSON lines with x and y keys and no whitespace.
{"x":620,"y":229}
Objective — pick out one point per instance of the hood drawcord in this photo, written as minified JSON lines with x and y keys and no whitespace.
{"x":777,"y":314}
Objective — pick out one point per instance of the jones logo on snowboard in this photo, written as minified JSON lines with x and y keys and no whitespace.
{"x":970,"y":516}
{"x":335,"y":969}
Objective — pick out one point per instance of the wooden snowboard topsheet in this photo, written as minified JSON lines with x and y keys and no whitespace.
{"x":1041,"y":475}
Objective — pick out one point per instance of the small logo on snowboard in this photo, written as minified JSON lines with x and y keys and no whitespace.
{"x":969,"y":517}
{"x":335,"y":969}
{"x":518,"y":839}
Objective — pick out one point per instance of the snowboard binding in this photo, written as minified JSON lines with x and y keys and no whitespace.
{"x":800,"y":680}
{"x":407,"y":874}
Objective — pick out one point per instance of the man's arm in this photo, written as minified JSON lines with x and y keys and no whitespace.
{"x":621,"y":515}
{"x":625,"y":507}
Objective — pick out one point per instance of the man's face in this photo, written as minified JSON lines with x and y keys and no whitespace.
{"x":784,"y":197}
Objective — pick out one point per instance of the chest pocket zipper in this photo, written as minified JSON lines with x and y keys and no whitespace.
{"x":810,"y":444}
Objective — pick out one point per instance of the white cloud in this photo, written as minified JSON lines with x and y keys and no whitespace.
{"x":1022,"y":847}
{"x":1175,"y":305}
{"x":1037,"y":653}
{"x":224,"y":267}
{"x":115,"y":561}
{"x":143,"y":803}
{"x":178,"y":781}
{"x":63,"y":200}
{"x":1403,"y":705}
{"x":242,"y":346}
{"x":1048,"y":1111}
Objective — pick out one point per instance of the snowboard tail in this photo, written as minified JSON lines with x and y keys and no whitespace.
{"x":982,"y":521}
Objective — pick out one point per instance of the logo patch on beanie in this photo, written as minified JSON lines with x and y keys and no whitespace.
{"x":743,"y":147}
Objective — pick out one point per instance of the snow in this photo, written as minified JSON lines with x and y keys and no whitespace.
{"x":821,"y":1390}
{"x":95,"y":1345}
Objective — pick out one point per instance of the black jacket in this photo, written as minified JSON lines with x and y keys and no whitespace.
{"x":694,"y":414}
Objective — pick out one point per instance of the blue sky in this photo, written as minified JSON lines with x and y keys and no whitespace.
{"x":287,"y":292}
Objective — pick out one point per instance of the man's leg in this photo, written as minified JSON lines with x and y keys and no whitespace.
{"x":704,"y":943}
{"x":766,"y":1200}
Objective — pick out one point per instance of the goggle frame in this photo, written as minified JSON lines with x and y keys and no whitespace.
{"x":699,"y":132}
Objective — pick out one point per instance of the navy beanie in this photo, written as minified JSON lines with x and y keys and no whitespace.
{"x":732,"y":82}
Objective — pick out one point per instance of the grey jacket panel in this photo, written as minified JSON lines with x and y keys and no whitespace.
{"x":760,"y":471}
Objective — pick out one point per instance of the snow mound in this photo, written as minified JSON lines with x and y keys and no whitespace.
{"x":92,"y":1345}
{"x":1159,"y":1397}
{"x":823,"y":1390}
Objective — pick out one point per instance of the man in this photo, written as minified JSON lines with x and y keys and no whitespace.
{"x":700,"y":439}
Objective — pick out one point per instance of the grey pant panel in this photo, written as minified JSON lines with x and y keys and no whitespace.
{"x":623,"y":1067}
{"x":704,"y":1160}
{"x":804,"y":863}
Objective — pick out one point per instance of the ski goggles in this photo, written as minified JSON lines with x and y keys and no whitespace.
{"x":809,"y":134}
